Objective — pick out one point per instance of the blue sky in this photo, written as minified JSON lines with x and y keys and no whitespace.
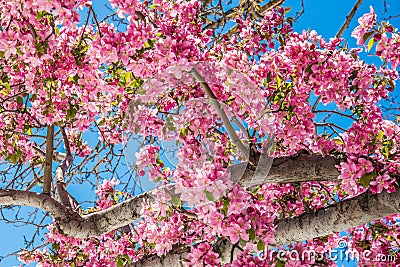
{"x":326,"y":17}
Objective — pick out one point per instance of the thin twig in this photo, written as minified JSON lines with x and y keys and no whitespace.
{"x":330,"y":125}
{"x":335,"y":112}
{"x":231,"y":13}
{"x":392,"y":17}
{"x":84,"y":27}
{"x":33,"y":31}
{"x":301,"y":12}
{"x":97,"y":22}
{"x":316,"y":103}
{"x":349,"y":18}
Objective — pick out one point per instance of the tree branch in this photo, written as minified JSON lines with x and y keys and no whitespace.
{"x":346,"y":214}
{"x":304,"y":167}
{"x":301,"y":168}
{"x":217,"y":105}
{"x":231,"y":12}
{"x":65,"y":197}
{"x":48,"y":160}
{"x":338,"y":217}
{"x":349,"y":17}
{"x":41,"y":201}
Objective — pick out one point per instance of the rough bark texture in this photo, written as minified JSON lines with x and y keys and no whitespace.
{"x":301,"y":168}
{"x":285,"y":170}
{"x":344,"y":215}
{"x":70,"y":222}
{"x":349,"y":213}
{"x":26,"y":198}
{"x":47,"y":176}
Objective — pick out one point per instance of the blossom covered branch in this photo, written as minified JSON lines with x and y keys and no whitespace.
{"x":270,"y":80}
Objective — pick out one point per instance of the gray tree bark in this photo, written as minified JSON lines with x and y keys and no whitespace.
{"x":344,"y":215}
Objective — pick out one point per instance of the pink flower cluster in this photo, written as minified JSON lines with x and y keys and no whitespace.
{"x":386,"y":36}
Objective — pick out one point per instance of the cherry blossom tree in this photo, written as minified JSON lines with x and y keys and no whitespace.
{"x":281,"y":141}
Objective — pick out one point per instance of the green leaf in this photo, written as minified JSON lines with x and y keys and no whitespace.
{"x":252,"y":234}
{"x":73,"y":79}
{"x":55,"y":246}
{"x":338,"y":141}
{"x":14,"y":158}
{"x":278,"y":80}
{"x":126,"y":258}
{"x":255,"y":190}
{"x":19,"y":99}
{"x":120,"y":262}
{"x":136,"y":83}
{"x":269,"y":77}
{"x":176,"y":201}
{"x":141,"y":91}
{"x":7,"y":86}
{"x":367,"y":35}
{"x":39,"y":15}
{"x":385,"y":151}
{"x":225,"y":207}
{"x":183,"y":132}
{"x":71,"y":113}
{"x":78,"y":62}
{"x":380,"y":135}
{"x":210,"y":196}
{"x":260,"y":245}
{"x":365,"y":180}
{"x":126,"y":76}
{"x":370,"y":44}
{"x":149,"y":43}
{"x":277,"y":98}
{"x":229,"y":100}
{"x":159,"y":161}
